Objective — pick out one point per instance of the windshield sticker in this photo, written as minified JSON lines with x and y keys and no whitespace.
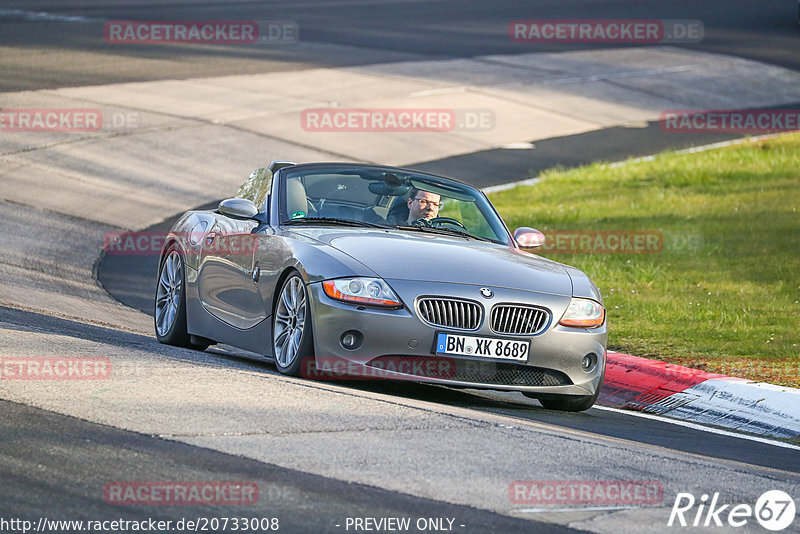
{"x":298,"y":214}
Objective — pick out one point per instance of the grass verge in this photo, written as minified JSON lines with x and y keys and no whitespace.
{"x":716,"y":284}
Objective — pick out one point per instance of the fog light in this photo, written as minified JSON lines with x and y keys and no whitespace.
{"x":589,"y":362}
{"x":351,"y":339}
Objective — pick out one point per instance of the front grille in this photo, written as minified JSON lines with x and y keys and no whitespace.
{"x":472,"y":371}
{"x":450,"y":313}
{"x":516,"y":319}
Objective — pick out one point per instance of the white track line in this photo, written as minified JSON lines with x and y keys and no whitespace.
{"x":703,"y":428}
{"x":41,"y":16}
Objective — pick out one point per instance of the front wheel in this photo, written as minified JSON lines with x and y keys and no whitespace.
{"x":170,"y":303}
{"x":567,"y":403}
{"x":292,"y":342}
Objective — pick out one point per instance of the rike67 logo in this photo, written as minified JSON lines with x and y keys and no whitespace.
{"x":774,"y":510}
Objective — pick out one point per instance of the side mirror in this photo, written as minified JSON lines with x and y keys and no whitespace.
{"x":239,"y":208}
{"x":528,"y":237}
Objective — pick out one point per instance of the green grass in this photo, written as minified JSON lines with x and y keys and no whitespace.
{"x":723,"y":294}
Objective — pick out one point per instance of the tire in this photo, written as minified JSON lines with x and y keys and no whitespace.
{"x":569,"y":403}
{"x":292,"y":338}
{"x":169,"y":313}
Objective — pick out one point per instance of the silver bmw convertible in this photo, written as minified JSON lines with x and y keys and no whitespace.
{"x":352,"y":271}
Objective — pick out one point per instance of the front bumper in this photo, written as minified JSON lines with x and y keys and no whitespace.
{"x":397,"y":344}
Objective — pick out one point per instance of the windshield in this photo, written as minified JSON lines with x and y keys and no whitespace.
{"x":385,"y":197}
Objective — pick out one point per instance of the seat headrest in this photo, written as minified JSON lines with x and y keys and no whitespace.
{"x":296,"y":199}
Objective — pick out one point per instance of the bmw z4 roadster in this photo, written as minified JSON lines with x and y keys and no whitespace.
{"x":343,"y":271}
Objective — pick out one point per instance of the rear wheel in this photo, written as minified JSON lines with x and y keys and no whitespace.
{"x":170,"y":303}
{"x":292,"y":342}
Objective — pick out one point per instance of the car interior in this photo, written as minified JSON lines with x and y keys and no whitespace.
{"x":377,"y":197}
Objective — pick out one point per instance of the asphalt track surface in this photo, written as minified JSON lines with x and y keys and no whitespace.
{"x":55,"y":464}
{"x":68,"y":452}
{"x":48,"y":52}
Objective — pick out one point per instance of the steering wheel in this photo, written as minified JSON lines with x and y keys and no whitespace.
{"x":438,"y":221}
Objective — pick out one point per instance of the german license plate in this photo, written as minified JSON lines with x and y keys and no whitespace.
{"x":506,"y":349}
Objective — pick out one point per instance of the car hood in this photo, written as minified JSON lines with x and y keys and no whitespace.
{"x":403,"y":255}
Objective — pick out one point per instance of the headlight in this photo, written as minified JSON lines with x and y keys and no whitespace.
{"x":583,"y":313}
{"x":369,"y":291}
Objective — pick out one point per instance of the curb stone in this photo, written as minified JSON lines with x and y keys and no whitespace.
{"x":701,"y":397}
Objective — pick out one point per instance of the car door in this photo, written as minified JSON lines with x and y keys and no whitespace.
{"x":226,"y":284}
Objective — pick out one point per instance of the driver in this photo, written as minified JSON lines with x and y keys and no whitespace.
{"x":423,"y":205}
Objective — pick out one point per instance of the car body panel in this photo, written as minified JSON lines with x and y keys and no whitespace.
{"x":230,"y":293}
{"x":392,"y":332}
{"x":225,"y":286}
{"x":408,"y":256}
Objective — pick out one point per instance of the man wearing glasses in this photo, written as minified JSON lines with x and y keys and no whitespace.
{"x":423,"y":205}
